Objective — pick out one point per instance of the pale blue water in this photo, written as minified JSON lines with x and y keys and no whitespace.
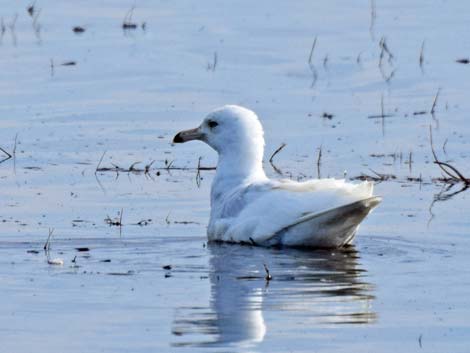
{"x":130,"y":92}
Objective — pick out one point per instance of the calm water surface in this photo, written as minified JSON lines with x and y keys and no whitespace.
{"x":404,"y":285}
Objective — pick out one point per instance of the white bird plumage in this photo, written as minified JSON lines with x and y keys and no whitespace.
{"x":247,"y":206}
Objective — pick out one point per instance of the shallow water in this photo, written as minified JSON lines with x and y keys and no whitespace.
{"x":404,"y":285}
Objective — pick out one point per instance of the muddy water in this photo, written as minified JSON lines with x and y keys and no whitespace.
{"x":404,"y":285}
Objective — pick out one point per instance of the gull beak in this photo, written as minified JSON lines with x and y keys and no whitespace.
{"x":188,"y":135}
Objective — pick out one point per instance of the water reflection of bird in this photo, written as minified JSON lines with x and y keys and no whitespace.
{"x":246,"y":206}
{"x":323,"y":288}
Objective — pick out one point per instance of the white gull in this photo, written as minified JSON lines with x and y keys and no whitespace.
{"x":248,"y":207}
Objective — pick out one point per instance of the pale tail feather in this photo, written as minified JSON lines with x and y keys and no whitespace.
{"x":328,"y":229}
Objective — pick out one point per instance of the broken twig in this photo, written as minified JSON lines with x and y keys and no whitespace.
{"x":434,"y":103}
{"x":276,"y":152}
{"x":454,"y":174}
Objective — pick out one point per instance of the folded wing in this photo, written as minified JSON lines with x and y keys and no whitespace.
{"x":316,"y":213}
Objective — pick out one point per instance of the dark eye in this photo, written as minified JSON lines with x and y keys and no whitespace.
{"x":212,"y":124}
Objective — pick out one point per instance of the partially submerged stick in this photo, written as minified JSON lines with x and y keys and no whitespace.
{"x":310,"y":57}
{"x":127,"y":21}
{"x":421,"y":56}
{"x":120,"y":222}
{"x":47,"y":245}
{"x":277,"y":170}
{"x":198,"y":174}
{"x":99,"y":163}
{"x":454,"y":173}
{"x":433,"y":108}
{"x":311,"y":65}
{"x":319,"y":162}
{"x":277,"y":151}
{"x":268,"y":276}
{"x":373,"y":16}
{"x":8,"y":155}
{"x":213,"y":65}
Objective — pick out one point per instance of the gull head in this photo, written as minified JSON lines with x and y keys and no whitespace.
{"x":230,"y":129}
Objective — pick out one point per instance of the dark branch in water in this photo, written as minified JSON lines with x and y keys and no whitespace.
{"x":385,"y":50}
{"x":421,"y":56}
{"x":8,"y":155}
{"x":319,"y":162}
{"x":213,"y":65}
{"x":311,"y":65}
{"x":382,"y":111}
{"x":444,"y":195}
{"x":37,"y":26}
{"x":198,"y":174}
{"x":147,"y":169}
{"x":448,"y":169}
{"x":378,"y":178}
{"x":373,"y":16}
{"x":132,"y":167}
{"x":14,"y":146}
{"x":325,"y":62}
{"x":127,"y":21}
{"x":276,"y":152}
{"x":116,"y":221}
{"x":310,"y":57}
{"x":47,"y":245}
{"x":268,"y":276}
{"x":279,"y":149}
{"x":99,"y":163}
{"x":434,"y":103}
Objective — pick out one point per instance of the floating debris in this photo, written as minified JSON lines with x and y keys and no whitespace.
{"x":31,"y":9}
{"x":129,"y":26}
{"x":116,"y":221}
{"x":57,"y":261}
{"x":463,"y":61}
{"x":144,"y":222}
{"x":128,"y":273}
{"x":127,"y":21}
{"x":78,"y":29}
{"x":378,"y":177}
{"x":82,"y":249}
{"x":186,"y":222}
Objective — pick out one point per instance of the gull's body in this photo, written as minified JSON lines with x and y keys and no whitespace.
{"x":246,"y":206}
